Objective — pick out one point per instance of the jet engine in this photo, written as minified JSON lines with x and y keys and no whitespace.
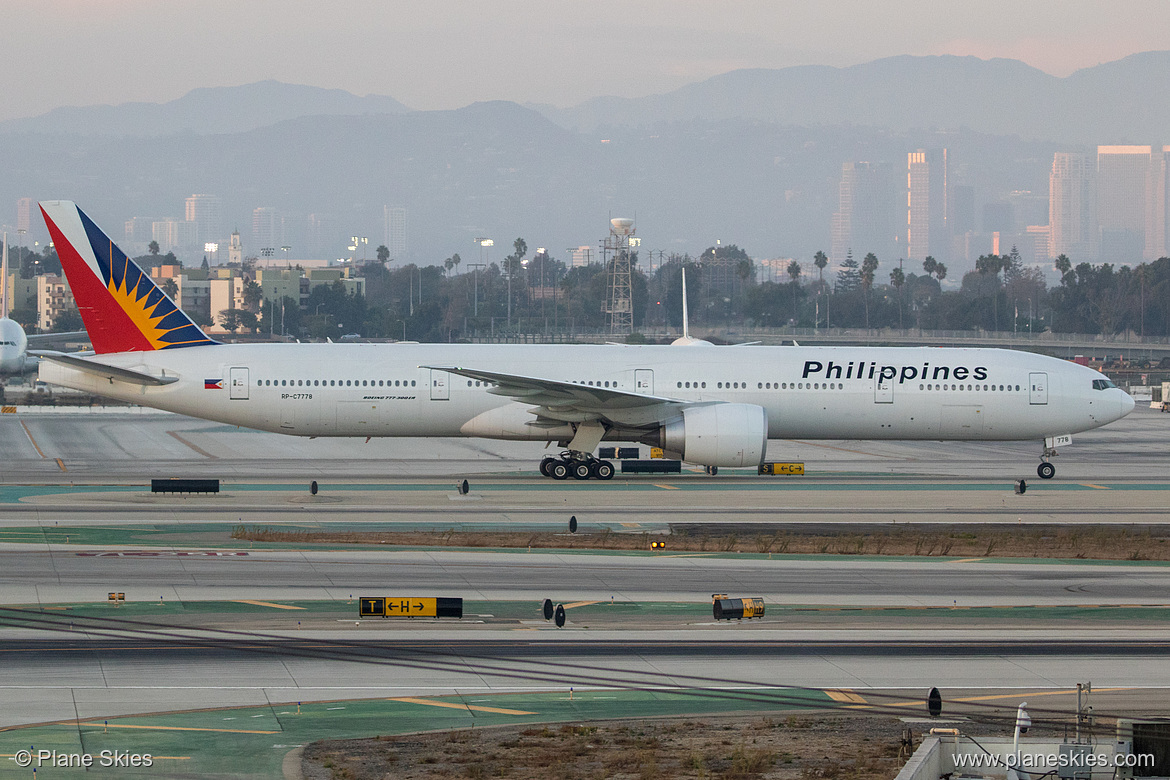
{"x":718,"y":435}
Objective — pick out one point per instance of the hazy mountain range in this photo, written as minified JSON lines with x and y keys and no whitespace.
{"x":749,"y":157}
{"x":207,"y":110}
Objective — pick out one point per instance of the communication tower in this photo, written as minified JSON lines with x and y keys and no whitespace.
{"x":617,"y":255}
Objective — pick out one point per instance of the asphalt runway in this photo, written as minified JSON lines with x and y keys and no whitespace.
{"x":1120,"y":474}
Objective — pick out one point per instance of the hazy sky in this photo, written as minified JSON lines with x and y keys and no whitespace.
{"x":443,"y":54}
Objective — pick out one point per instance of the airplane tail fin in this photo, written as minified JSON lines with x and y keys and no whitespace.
{"x":121,"y":306}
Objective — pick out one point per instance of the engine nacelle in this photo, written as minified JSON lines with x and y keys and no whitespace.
{"x":719,"y":435}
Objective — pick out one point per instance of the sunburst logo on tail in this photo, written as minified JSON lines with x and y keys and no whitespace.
{"x":123,"y":309}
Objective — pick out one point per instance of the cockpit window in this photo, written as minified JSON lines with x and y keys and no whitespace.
{"x":1102,"y":384}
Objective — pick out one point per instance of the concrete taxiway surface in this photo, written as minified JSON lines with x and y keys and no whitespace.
{"x":240,"y":626}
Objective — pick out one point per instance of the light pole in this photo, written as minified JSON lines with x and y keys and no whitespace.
{"x":484,"y":243}
{"x":475,"y":284}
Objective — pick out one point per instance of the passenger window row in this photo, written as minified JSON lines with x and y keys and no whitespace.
{"x":986,"y":388}
{"x":335,"y":383}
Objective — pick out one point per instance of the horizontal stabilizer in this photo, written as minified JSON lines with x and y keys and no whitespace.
{"x":102,"y":370}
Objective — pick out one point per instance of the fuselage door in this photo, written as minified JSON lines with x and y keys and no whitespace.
{"x":440,"y":385}
{"x":644,"y":381}
{"x":238,"y":383}
{"x":1038,"y":388}
{"x":883,"y":391}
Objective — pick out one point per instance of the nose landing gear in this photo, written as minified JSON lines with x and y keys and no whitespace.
{"x":1046,"y":470}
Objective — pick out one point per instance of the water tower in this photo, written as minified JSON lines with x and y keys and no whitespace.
{"x":616,"y":251}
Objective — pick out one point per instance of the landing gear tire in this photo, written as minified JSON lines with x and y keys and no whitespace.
{"x":1046,"y":470}
{"x":559,"y":470}
{"x":582,"y":470}
{"x":603,"y":469}
{"x":712,"y":470}
{"x":546,"y":465}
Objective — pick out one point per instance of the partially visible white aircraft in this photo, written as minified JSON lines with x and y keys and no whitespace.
{"x":712,"y":407}
{"x":13,"y":341}
{"x":14,"y":357}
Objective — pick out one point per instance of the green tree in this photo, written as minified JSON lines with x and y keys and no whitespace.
{"x":848,"y":276}
{"x":68,"y":320}
{"x":383,"y":253}
{"x":170,"y":288}
{"x":153,"y":248}
{"x":231,"y":320}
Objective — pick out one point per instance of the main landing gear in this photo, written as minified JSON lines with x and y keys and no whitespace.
{"x":1046,"y":470}
{"x":578,"y":465}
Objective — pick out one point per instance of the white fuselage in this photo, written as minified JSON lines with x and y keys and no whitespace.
{"x":807,"y":392}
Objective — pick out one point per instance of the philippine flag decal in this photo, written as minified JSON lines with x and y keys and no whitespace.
{"x":213,"y":384}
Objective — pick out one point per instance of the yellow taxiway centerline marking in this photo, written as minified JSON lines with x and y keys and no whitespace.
{"x":32,"y":441}
{"x":665,"y":487}
{"x":992,"y":697}
{"x":967,"y":560}
{"x":61,"y":464}
{"x":450,"y":705}
{"x":1095,"y":487}
{"x":843,"y":695}
{"x":581,"y":604}
{"x":266,"y":604}
{"x":173,"y":728}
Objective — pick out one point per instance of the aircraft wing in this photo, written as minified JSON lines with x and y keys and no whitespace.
{"x":111,"y":373}
{"x":555,"y":399}
{"x":48,"y":338}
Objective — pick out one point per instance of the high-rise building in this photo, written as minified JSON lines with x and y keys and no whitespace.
{"x":138,"y":230}
{"x":1072,"y":207}
{"x":866,"y":219}
{"x":1158,"y":205}
{"x":322,"y":234}
{"x":267,"y":230}
{"x":24,"y":211}
{"x":206,"y":213}
{"x":172,"y":234}
{"x":927,"y":231}
{"x":394,"y":228}
{"x":1123,"y":183}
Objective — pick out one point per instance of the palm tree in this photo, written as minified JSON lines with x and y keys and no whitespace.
{"x":153,"y":248}
{"x":868,"y":266}
{"x":794,"y":274}
{"x":383,"y":252}
{"x":898,"y":278}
